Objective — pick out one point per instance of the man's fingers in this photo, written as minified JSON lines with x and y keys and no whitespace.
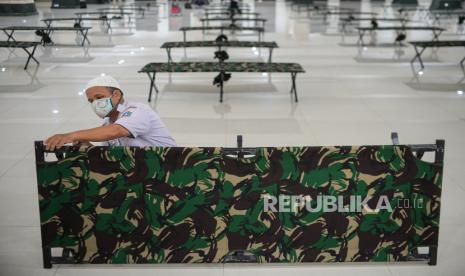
{"x":57,"y":141}
{"x":60,"y":143}
{"x":52,"y":142}
{"x":47,"y":143}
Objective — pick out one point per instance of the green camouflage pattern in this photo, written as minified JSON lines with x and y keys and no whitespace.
{"x":102,"y":12}
{"x":208,"y":13}
{"x":402,"y":28}
{"x":231,"y":27}
{"x":179,"y":67}
{"x":44,"y":28}
{"x":232,"y":43}
{"x":233,"y":19}
{"x":18,"y":44}
{"x":194,"y":205}
{"x":442,"y":43}
{"x":349,"y":19}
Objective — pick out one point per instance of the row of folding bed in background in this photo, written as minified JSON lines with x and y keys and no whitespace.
{"x":434,"y":19}
{"x":104,"y":16}
{"x":232,"y":15}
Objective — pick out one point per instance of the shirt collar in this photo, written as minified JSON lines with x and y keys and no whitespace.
{"x":122,"y":106}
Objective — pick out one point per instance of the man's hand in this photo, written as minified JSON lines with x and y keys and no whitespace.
{"x":82,"y":144}
{"x":58,"y":140}
{"x":98,"y":134}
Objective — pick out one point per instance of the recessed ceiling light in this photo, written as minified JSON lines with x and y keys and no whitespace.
{"x":55,"y":111}
{"x":121,"y":61}
{"x":132,"y":53}
{"x":3,"y":69}
{"x":103,"y":74}
{"x":254,"y":49}
{"x":365,"y":48}
{"x":420,"y":73}
{"x":264,"y":74}
{"x":459,"y":92}
{"x":142,"y":48}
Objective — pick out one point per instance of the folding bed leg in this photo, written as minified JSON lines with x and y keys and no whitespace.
{"x":433,"y":255}
{"x":436,"y":35}
{"x":221,"y":86}
{"x":152,"y":85}
{"x":461,"y":63}
{"x":84,"y":37}
{"x":439,"y":154}
{"x":293,"y":87}
{"x":46,"y":251}
{"x":31,"y":55}
{"x":361,"y":34}
{"x":10,"y":35}
{"x":108,"y":23}
{"x":418,"y":56}
{"x":168,"y":52}
{"x":47,"y":257}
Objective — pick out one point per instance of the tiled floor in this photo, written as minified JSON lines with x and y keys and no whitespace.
{"x":347,"y":96}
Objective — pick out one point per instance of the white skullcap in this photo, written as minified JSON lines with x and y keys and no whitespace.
{"x":104,"y":80}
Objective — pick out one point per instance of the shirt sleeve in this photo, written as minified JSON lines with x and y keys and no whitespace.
{"x":135,"y":121}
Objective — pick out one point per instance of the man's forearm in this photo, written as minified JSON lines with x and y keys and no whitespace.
{"x":100,"y":134}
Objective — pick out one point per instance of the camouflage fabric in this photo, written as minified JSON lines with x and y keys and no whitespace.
{"x":443,"y":43}
{"x":374,"y":18}
{"x":232,"y":43}
{"x":34,"y":28}
{"x":233,"y":19}
{"x":347,"y":12}
{"x":187,"y":205}
{"x":208,"y":13}
{"x":402,"y":28}
{"x":232,"y":28}
{"x":102,"y":12}
{"x":76,"y":19}
{"x":18,"y":44}
{"x":226,"y":67}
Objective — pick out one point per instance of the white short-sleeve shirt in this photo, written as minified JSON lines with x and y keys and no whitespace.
{"x":144,"y":125}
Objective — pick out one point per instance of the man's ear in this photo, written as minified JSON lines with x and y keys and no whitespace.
{"x":119,"y":94}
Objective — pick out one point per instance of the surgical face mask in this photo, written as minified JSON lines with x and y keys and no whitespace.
{"x":102,"y":107}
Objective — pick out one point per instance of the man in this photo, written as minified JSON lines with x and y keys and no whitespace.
{"x":125,"y":123}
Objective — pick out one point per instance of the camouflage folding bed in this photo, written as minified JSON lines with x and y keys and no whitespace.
{"x":123,"y":205}
{"x":46,"y":32}
{"x":436,"y":31}
{"x":420,"y":47}
{"x":233,"y":28}
{"x":106,"y":21}
{"x":23,"y":45}
{"x":213,"y":14}
{"x":220,"y":45}
{"x":222,"y":68}
{"x":233,"y":20}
